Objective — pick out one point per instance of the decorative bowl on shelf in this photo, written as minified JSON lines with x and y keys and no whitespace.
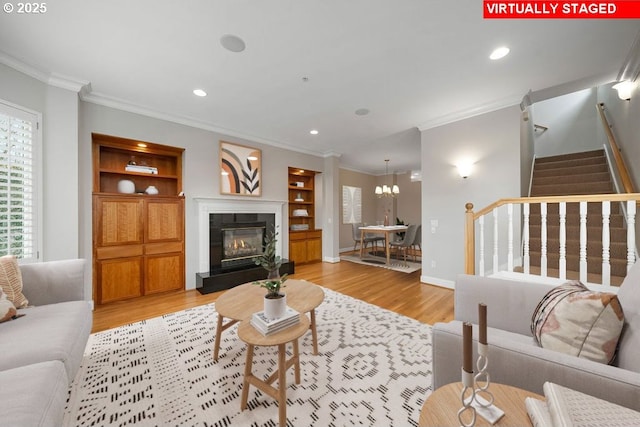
{"x":300,"y":212}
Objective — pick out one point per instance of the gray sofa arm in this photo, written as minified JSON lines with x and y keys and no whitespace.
{"x":516,"y":360}
{"x":510,"y":304}
{"x":54,"y":281}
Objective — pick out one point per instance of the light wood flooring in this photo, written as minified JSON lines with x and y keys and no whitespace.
{"x":399,"y":292}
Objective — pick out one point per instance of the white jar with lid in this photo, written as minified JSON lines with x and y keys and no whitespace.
{"x":152,"y":190}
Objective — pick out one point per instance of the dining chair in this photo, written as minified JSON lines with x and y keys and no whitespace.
{"x":417,"y":243}
{"x":406,"y":243}
{"x":368,"y":238}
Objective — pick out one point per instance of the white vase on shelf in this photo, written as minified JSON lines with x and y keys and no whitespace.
{"x":126,"y":186}
{"x":152,"y":190}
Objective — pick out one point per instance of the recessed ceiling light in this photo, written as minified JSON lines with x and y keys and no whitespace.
{"x":142,"y":145}
{"x":232,"y":43}
{"x":500,"y":52}
{"x":313,"y":132}
{"x":199,"y":92}
{"x":362,"y":112}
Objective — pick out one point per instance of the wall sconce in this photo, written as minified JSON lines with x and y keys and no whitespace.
{"x":624,"y":89}
{"x":464,"y":169}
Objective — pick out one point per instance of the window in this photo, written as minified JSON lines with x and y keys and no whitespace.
{"x":19,"y":147}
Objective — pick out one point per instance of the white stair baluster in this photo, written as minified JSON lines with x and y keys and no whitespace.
{"x":631,"y":233}
{"x":495,"y":240}
{"x":583,"y":242}
{"x":563,"y":240}
{"x":481,"y":260}
{"x":543,"y":239}
{"x":525,"y":238}
{"x":510,"y":243}
{"x":606,"y":241}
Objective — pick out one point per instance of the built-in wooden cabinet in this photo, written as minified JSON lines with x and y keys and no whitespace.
{"x":138,"y":238}
{"x":305,"y":240}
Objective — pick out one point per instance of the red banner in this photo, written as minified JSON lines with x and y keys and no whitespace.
{"x":621,"y":9}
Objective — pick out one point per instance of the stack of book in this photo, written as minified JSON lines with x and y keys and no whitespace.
{"x":268,"y":326}
{"x":141,"y":169}
{"x":566,"y":407}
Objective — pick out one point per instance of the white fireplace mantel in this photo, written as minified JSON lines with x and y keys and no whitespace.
{"x":210,"y":205}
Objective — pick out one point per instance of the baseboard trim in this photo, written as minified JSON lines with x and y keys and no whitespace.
{"x":443,"y":283}
{"x":332,"y":260}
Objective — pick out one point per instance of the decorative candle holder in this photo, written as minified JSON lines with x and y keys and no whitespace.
{"x":467,"y":384}
{"x":483,"y":376}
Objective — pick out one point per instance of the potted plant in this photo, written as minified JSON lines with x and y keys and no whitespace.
{"x":275,"y":302}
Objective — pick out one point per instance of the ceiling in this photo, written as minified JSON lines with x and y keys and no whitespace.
{"x":414,"y":64}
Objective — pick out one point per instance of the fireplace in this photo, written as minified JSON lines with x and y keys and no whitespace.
{"x":240,"y":226}
{"x":241,"y":244}
{"x":235,"y":239}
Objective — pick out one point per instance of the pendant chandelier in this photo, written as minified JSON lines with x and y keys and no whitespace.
{"x":387,"y":190}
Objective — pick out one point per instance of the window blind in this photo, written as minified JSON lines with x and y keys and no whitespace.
{"x":18,"y":222}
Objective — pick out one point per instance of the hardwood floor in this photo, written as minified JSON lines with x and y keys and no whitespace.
{"x":399,"y":292}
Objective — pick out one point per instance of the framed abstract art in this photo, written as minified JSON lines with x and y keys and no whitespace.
{"x":240,"y":170}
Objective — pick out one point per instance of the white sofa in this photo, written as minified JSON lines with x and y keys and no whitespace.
{"x":42,"y":351}
{"x":514,"y":356}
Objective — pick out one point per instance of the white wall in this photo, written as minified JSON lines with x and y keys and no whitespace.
{"x":624,"y":118}
{"x":492,"y":142}
{"x":59,"y":108}
{"x":571,"y":122}
{"x":200,"y":167}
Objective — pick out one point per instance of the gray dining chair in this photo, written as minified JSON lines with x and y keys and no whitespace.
{"x":368,"y":238}
{"x":417,"y":243}
{"x":406,"y":243}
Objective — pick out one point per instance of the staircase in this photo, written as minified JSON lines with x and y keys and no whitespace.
{"x":576,"y":174}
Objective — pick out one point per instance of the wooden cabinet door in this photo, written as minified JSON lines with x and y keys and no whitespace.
{"x":119,"y":278}
{"x":118,"y":221}
{"x":164,"y":273}
{"x":314,"y":250}
{"x":298,"y":251}
{"x":164,"y":220}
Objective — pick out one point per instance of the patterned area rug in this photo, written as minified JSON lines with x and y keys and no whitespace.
{"x":373,"y":369}
{"x":381,"y":261}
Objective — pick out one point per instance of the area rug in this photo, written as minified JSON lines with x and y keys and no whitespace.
{"x":373,"y":369}
{"x":381,"y":261}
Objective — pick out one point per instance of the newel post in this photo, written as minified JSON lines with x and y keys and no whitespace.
{"x":469,"y":241}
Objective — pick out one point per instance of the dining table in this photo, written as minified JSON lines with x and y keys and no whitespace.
{"x":386,"y":230}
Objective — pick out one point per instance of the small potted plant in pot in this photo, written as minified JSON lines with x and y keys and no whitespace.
{"x":275,"y":302}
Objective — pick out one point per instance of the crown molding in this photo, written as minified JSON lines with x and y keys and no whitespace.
{"x":51,"y":79}
{"x":120,"y":104}
{"x":471,"y":112}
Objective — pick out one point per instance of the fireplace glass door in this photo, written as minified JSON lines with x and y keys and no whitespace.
{"x":241,"y":245}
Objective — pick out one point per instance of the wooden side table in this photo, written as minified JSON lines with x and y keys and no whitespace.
{"x":441,"y":407}
{"x":241,"y":302}
{"x":252,"y":337}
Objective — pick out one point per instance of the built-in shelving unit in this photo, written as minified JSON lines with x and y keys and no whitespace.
{"x":305,"y":241}
{"x":138,"y":238}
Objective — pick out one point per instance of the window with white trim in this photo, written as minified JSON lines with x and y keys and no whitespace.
{"x":19,"y":148}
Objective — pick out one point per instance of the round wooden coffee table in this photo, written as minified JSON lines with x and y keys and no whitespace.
{"x":441,"y":407}
{"x":241,"y":302}
{"x":252,"y":337}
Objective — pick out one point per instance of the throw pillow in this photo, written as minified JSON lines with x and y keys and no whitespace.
{"x":574,"y":320}
{"x":11,"y":281}
{"x":7,"y":310}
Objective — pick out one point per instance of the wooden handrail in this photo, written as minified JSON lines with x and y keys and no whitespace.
{"x":557,"y":199}
{"x":627,"y":184}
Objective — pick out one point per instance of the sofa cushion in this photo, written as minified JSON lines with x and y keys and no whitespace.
{"x":629,"y":346}
{"x":33,"y":395}
{"x":48,"y":332}
{"x":11,"y":281}
{"x":574,"y":320}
